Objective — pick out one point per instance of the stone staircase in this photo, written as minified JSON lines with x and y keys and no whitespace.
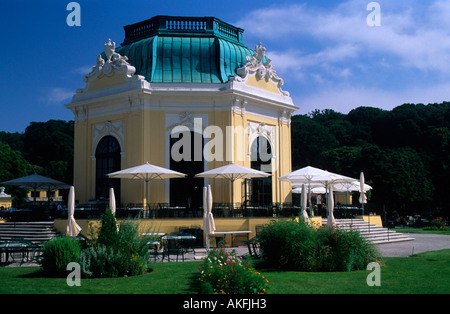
{"x":35,"y":232}
{"x":371,"y":232}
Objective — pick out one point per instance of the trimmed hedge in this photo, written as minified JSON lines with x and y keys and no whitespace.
{"x":290,"y":245}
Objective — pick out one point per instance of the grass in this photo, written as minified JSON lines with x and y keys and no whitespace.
{"x":424,"y":273}
{"x":423,"y":231}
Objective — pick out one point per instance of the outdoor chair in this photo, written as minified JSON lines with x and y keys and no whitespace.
{"x":253,"y":245}
{"x":172,"y":246}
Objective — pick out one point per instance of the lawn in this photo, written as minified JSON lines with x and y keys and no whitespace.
{"x":424,"y":273}
{"x":422,"y":230}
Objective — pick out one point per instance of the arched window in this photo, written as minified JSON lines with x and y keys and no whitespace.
{"x":107,"y":156}
{"x":261,"y":159}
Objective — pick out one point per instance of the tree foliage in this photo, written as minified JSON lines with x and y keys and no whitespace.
{"x":404,"y":153}
{"x":44,"y":147}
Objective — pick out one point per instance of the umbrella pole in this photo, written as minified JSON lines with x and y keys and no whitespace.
{"x":309,"y":199}
{"x":232,"y":196}
{"x":146,"y":193}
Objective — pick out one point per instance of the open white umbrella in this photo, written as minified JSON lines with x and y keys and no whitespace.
{"x":233,"y":172}
{"x":73,"y":229}
{"x":208,"y":219}
{"x":317,"y":189}
{"x":146,"y":172}
{"x":331,"y":222}
{"x":350,"y":187}
{"x":312,"y":175}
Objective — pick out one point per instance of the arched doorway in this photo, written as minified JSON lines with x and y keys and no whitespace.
{"x":107,"y":156}
{"x":261,"y":159}
{"x":187,"y":192}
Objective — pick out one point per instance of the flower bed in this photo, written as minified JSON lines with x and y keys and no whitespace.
{"x":224,"y":273}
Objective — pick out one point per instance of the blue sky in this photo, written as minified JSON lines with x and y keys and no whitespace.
{"x":327,"y":54}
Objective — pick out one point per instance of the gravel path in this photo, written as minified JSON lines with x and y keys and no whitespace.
{"x":421,"y":243}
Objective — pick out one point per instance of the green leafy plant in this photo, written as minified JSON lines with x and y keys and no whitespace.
{"x":58,"y":253}
{"x":118,"y":251}
{"x":290,"y":245}
{"x":224,"y":273}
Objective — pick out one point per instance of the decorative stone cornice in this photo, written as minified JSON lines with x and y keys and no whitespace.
{"x":114,"y":64}
{"x":255,"y":66}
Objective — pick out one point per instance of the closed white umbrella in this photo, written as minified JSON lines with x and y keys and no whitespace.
{"x":362,"y":196}
{"x":146,"y":172}
{"x":112,"y":201}
{"x":303,"y":205}
{"x":205,"y":215}
{"x":73,"y":229}
{"x":331,"y":222}
{"x":233,"y":172}
{"x":208,"y":219}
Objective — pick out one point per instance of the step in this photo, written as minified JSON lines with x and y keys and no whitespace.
{"x":371,"y":232}
{"x":392,"y":240}
{"x":36,"y":232}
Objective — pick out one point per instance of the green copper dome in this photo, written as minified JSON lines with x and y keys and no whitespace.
{"x":168,"y":49}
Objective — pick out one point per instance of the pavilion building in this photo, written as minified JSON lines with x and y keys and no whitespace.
{"x":183,"y":93}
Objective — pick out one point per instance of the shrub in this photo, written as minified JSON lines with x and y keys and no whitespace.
{"x":224,"y":273}
{"x":101,"y":261}
{"x":108,"y":234}
{"x":437,"y":223}
{"x":117,"y":252}
{"x":58,"y":253}
{"x":290,"y":245}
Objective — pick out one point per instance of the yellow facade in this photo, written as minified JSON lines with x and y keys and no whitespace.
{"x":91,"y":227}
{"x":137,"y":132}
{"x":140,"y":115}
{"x":43,"y":195}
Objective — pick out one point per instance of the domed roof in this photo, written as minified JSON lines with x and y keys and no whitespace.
{"x":166,"y":49}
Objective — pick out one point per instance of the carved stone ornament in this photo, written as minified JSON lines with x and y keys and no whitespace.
{"x":114,"y":64}
{"x":255,"y":66}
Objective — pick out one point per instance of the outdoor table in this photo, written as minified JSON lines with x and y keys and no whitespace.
{"x":232,"y":233}
{"x":176,"y":211}
{"x":12,"y":246}
{"x":179,"y":237}
{"x":155,"y":243}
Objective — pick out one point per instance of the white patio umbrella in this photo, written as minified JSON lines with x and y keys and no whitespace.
{"x":311,"y":175}
{"x":317,"y":189}
{"x":362,"y":196}
{"x":233,"y":172}
{"x":146,"y":172}
{"x":350,"y":187}
{"x":72,"y":227}
{"x":303,"y":205}
{"x":208,"y":219}
{"x":331,"y":222}
{"x":112,"y":201}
